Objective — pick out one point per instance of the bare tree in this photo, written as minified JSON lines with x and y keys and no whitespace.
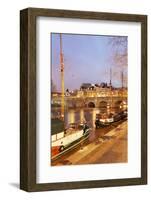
{"x":119,"y":51}
{"x":119,"y":57}
{"x":53,"y":86}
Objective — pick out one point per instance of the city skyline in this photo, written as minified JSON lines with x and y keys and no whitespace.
{"x":87,"y":59}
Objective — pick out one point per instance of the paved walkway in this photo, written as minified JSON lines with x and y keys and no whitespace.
{"x":95,"y":152}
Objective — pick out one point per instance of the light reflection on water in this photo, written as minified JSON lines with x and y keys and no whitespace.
{"x":81,"y":115}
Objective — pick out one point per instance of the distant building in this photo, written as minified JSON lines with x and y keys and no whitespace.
{"x":85,"y":86}
{"x":55,"y":94}
{"x":103,"y":85}
{"x":101,"y":91}
{"x":67,"y":93}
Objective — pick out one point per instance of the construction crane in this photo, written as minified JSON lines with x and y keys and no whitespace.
{"x":111,"y":104}
{"x":122,"y":79}
{"x":110,"y":78}
{"x":62,"y":77}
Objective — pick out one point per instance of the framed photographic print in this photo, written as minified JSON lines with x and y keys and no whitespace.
{"x":83,"y":99}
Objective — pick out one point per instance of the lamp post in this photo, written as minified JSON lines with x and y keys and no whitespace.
{"x":62,"y":77}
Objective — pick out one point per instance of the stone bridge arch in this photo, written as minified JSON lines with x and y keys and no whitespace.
{"x":118,"y":103}
{"x":102,"y":104}
{"x":91,"y":104}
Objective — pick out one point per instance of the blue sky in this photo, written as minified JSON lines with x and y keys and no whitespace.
{"x":87,"y":59}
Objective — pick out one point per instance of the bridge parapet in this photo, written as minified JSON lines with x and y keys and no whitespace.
{"x":74,"y":101}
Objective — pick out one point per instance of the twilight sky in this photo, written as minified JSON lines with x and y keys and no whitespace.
{"x":87,"y":59}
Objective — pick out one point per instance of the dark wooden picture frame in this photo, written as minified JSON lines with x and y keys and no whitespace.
{"x":28,"y":99}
